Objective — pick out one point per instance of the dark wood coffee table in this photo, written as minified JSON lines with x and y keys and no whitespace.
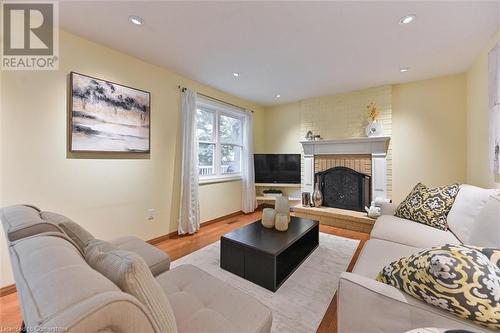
{"x":267,"y":257}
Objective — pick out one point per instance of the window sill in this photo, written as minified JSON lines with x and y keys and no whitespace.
{"x":206,"y":181}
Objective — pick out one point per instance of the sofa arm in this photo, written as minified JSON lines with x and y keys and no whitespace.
{"x":388,"y":208}
{"x":365,"y":305}
{"x":157,"y":260}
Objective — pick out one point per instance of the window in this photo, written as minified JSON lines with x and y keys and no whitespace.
{"x":220,"y":141}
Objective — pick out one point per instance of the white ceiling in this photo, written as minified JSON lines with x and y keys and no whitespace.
{"x":295,"y":49}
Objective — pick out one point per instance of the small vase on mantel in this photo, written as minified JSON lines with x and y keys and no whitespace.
{"x":317,"y":197}
{"x":374,"y":129}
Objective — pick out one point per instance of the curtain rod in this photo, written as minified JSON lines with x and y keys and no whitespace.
{"x":213,"y":98}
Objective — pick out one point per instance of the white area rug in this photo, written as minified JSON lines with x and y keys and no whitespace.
{"x":301,"y":302}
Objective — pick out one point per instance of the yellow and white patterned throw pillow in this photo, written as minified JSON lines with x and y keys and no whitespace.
{"x":460,"y":279}
{"x":429,"y":205}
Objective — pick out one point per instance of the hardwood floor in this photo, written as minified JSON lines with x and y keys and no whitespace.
{"x":179,"y":246}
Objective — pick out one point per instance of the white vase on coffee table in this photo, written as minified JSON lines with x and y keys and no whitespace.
{"x":281,"y":222}
{"x":268,"y":216}
{"x":282,"y":207}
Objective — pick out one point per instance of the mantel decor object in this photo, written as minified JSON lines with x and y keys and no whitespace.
{"x":268,"y":216}
{"x":374,"y":128}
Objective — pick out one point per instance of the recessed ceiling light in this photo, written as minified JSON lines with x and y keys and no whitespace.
{"x":136,"y":19}
{"x":278,"y":96}
{"x":236,"y":74}
{"x":404,"y":69}
{"x":407,"y":19}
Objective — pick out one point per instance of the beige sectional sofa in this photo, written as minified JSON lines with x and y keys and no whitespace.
{"x":58,"y":290}
{"x":365,"y":305}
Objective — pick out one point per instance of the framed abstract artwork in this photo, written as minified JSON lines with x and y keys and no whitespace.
{"x":107,"y":117}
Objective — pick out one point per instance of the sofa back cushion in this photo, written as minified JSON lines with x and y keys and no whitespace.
{"x":131,"y":273}
{"x":486,"y":230}
{"x":462,"y":280}
{"x":428,"y":205}
{"x":74,"y":231}
{"x":463,"y":216}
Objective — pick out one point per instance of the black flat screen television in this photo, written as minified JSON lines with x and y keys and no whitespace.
{"x":277,"y":168}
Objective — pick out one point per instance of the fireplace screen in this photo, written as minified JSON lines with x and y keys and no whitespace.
{"x":345,"y":188}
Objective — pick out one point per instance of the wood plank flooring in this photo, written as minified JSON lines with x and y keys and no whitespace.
{"x":179,"y":246}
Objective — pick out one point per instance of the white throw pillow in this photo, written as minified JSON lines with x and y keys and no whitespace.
{"x":486,"y":231}
{"x":468,"y":204}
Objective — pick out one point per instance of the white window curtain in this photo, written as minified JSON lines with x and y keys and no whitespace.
{"x":189,"y":215}
{"x":248,"y":200}
{"x":494,"y":105}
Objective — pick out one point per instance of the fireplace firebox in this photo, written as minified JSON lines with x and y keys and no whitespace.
{"x":345,"y":188}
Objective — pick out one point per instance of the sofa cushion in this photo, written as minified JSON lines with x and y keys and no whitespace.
{"x":456,"y":278}
{"x":74,"y":231}
{"x":428,"y":205}
{"x":131,"y":274}
{"x":407,"y":232}
{"x":469,"y":203}
{"x":203,"y":303}
{"x":157,"y":260}
{"x":486,"y":231}
{"x":377,"y":253}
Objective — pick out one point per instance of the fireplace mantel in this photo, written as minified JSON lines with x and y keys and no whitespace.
{"x":373,"y":145}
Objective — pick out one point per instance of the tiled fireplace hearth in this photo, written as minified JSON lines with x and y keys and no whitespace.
{"x":364,"y":155}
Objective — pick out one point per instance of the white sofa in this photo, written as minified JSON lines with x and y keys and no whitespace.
{"x":365,"y":305}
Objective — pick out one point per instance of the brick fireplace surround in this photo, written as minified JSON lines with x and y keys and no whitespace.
{"x":365,"y":155}
{"x":358,"y":162}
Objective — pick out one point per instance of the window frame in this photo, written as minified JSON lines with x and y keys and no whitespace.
{"x":220,"y":109}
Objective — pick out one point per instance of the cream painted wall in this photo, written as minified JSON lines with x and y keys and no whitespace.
{"x":108,"y":196}
{"x":281,"y":130}
{"x":478,"y":172}
{"x":429,"y":138}
{"x":217,"y":197}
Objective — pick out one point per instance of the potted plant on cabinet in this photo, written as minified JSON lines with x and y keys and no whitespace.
{"x":272,"y":193}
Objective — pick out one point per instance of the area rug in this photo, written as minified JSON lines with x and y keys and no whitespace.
{"x":301,"y":302}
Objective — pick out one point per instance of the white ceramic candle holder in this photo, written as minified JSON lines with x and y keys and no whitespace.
{"x":281,"y":222}
{"x":268,"y":215}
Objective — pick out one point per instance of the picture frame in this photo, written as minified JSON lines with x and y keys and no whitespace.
{"x":107,"y":117}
